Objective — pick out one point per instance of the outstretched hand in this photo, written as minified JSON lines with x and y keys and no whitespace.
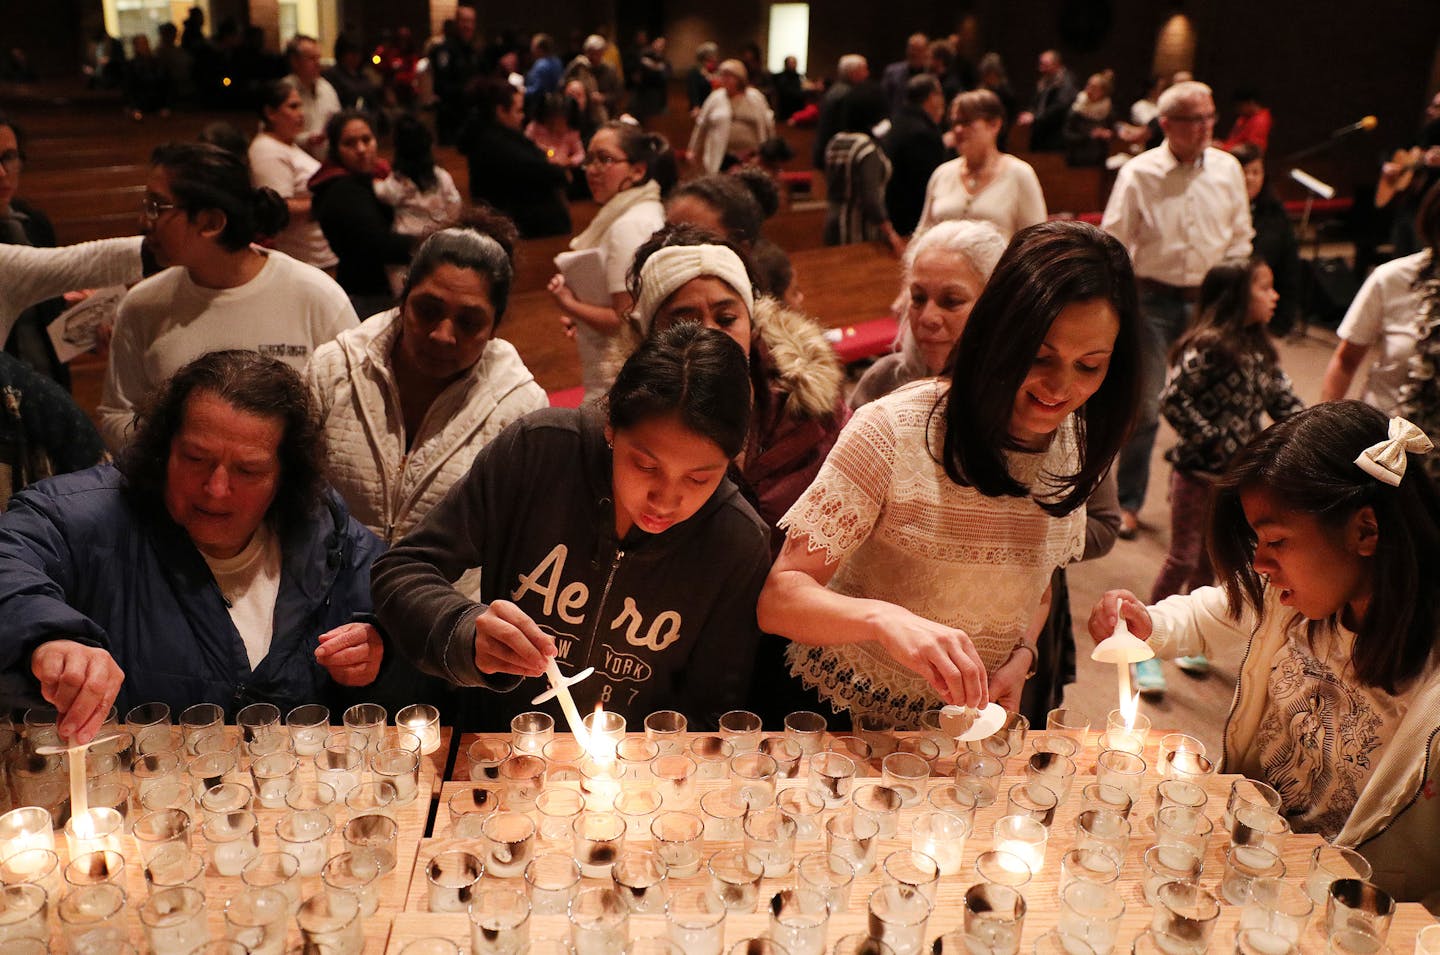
{"x":943,"y":655}
{"x":81,"y":682}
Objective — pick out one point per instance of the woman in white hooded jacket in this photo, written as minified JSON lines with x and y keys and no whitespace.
{"x":409,"y":397}
{"x":734,"y":120}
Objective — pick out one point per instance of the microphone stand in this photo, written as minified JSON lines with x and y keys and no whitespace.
{"x":1329,"y":142}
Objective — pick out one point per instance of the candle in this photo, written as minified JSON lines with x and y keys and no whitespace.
{"x":423,"y":720}
{"x":1123,"y":648}
{"x":28,"y":827}
{"x":93,"y":830}
{"x":560,"y":691}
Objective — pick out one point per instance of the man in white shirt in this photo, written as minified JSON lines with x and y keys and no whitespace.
{"x":1180,"y":209}
{"x":317,"y":96}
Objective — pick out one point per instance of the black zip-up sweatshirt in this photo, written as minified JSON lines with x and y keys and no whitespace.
{"x":667,"y":620}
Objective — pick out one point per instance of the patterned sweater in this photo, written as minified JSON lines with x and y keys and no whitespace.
{"x":1215,"y":406}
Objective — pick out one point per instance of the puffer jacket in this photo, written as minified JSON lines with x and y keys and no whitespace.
{"x":353,"y":384}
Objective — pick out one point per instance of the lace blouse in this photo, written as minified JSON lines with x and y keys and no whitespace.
{"x":902,"y":531}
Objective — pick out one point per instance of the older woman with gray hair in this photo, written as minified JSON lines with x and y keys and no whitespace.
{"x":407,"y":399}
{"x":733,"y":121}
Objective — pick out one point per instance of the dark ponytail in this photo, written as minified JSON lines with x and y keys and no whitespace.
{"x":203,"y":177}
{"x":648,"y":149}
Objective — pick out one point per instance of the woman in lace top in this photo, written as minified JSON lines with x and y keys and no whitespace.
{"x":917,"y":564}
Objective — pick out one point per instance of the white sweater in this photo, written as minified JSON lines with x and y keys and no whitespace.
{"x":29,"y":275}
{"x":286,"y":311}
{"x":387,"y":488}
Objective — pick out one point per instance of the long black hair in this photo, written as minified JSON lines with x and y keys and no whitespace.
{"x":415,"y":152}
{"x":1307,"y":461}
{"x":203,"y":177}
{"x":1222,"y":323}
{"x":1046,"y":268}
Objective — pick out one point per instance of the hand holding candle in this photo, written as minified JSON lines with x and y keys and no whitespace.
{"x":80,"y":681}
{"x":508,"y":641}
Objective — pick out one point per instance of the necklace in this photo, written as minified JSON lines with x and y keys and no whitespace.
{"x":974,"y":177}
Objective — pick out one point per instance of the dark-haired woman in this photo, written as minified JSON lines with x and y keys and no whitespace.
{"x":277,"y":161}
{"x":916,"y":566}
{"x":609,"y":540}
{"x":419,"y":189}
{"x":735,"y":206}
{"x":358,"y":226}
{"x":508,"y":171}
{"x":628,"y":171}
{"x":218,"y":290}
{"x":409,"y":398}
{"x":211,"y":566}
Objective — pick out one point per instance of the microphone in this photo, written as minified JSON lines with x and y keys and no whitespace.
{"x":1366,"y":123}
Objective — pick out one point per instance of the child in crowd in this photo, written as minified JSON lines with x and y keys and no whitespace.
{"x":422,"y":192}
{"x":1223,"y":379}
{"x":552,"y":132}
{"x":1325,"y":535}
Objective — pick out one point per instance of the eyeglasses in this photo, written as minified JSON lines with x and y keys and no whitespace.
{"x":10,"y":160}
{"x":1205,"y":118}
{"x":602,"y":160}
{"x":151,"y":208}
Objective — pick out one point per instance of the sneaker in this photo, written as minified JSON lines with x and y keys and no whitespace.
{"x":1195,"y":666}
{"x":1129,"y":525}
{"x":1149,"y":678}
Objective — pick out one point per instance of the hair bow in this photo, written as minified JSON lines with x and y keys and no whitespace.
{"x":1385,"y":461}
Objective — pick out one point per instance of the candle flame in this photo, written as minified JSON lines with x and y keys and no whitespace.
{"x":1129,"y":708}
{"x":84,"y":825}
{"x":599,"y":747}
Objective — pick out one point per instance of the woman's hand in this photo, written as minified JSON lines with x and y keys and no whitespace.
{"x":561,"y":293}
{"x":81,"y":682}
{"x":508,"y":641}
{"x":1103,"y":616}
{"x":351,"y":654}
{"x":1007,"y":683}
{"x":944,"y":656}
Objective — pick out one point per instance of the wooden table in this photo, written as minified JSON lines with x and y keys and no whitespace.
{"x":1040,"y":894}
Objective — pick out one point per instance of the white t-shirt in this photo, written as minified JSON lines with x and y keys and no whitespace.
{"x":318,"y":106}
{"x":1386,"y":312}
{"x":1011,"y":201}
{"x":625,"y":235}
{"x":166,"y":321}
{"x":287,"y":169}
{"x":250,"y":582}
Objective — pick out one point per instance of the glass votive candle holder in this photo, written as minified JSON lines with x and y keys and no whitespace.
{"x":787,"y":755}
{"x":273,"y":775}
{"x":330,"y":922}
{"x":1184,"y":918}
{"x":98,"y":828}
{"x":484,"y":757}
{"x":373,"y":798}
{"x":1068,"y":722}
{"x":633,"y":756}
{"x":339,"y":767}
{"x":807,"y":730}
{"x":529,"y":732}
{"x":1179,"y":792}
{"x":29,"y":827}
{"x":366,"y":718}
{"x":675,"y":779}
{"x":799,"y":919}
{"x":941,"y":837}
{"x":741,"y":729}
{"x":980,"y":774}
{"x":1356,"y":902}
{"x":309,"y":726}
{"x":557,"y":809}
{"x":1173,"y":743}
{"x":451,"y":879}
{"x":926,"y":749}
{"x":38,"y":867}
{"x":175,"y":868}
{"x":1251,"y":792}
{"x":1245,"y":864}
{"x":374,"y":835}
{"x":695,"y":920}
{"x":1138,"y":725}
{"x":770,"y":835}
{"x":723,"y":811}
{"x":1033,"y":799}
{"x":915,"y":869}
{"x":24,"y":913}
{"x":805,"y":808}
{"x":897,"y":917}
{"x":199,"y":719}
{"x":605,"y":729}
{"x":256,"y":720}
{"x":1179,"y":825}
{"x":305,"y":834}
{"x":712,"y":756}
{"x":639,"y":876}
{"x":854,"y":838}
{"x":735,"y":876}
{"x":355,"y":874}
{"x":993,"y":918}
{"x":224,"y":799}
{"x":468,"y":809}
{"x":499,"y":922}
{"x":279,"y":871}
{"x":562,"y":759}
{"x":1101,"y":828}
{"x":600,"y":782}
{"x":110,"y":795}
{"x":859,"y":751}
{"x":161,"y":831}
{"x":258,"y":917}
{"x":522,"y":778}
{"x":1122,"y":740}
{"x":679,"y":839}
{"x":1328,"y":863}
{"x":832,"y":777}
{"x":1023,"y":837}
{"x":666,"y":729}
{"x":599,"y":838}
{"x":907,"y":774}
{"x":954,"y":799}
{"x":1108,"y":797}
{"x":881,"y":803}
{"x":599,"y":922}
{"x":1088,"y":865}
{"x":551,"y":880}
{"x":1175,"y":863}
{"x":401,"y":770}
{"x":1356,"y":939}
{"x":1427,"y":940}
{"x":829,"y":874}
{"x":149,"y":723}
{"x":173,"y":921}
{"x":637,"y":805}
{"x":233,"y":839}
{"x":1091,"y":912}
{"x":151,"y":770}
{"x":1053,"y":770}
{"x":92,"y":913}
{"x":1254,"y":825}
{"x":1278,"y":908}
{"x":92,"y":868}
{"x":423,"y":720}
{"x":753,"y":776}
{"x":165,"y":794}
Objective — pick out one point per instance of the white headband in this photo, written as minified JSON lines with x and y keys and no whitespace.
{"x":671,"y":267}
{"x":1385,"y":461}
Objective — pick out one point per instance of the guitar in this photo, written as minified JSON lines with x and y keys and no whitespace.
{"x":1392,"y":184}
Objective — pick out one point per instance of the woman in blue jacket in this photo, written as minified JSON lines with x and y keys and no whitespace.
{"x":213,"y":565}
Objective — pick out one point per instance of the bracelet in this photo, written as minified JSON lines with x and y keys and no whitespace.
{"x":1034,"y":656}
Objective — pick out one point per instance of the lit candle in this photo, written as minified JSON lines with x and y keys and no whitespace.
{"x":1123,"y":648}
{"x":93,"y":830}
{"x":560,"y":691}
{"x":28,"y":827}
{"x":423,"y":720}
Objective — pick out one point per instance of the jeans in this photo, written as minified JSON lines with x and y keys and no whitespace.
{"x":1164,"y":314}
{"x":1187,"y":566}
